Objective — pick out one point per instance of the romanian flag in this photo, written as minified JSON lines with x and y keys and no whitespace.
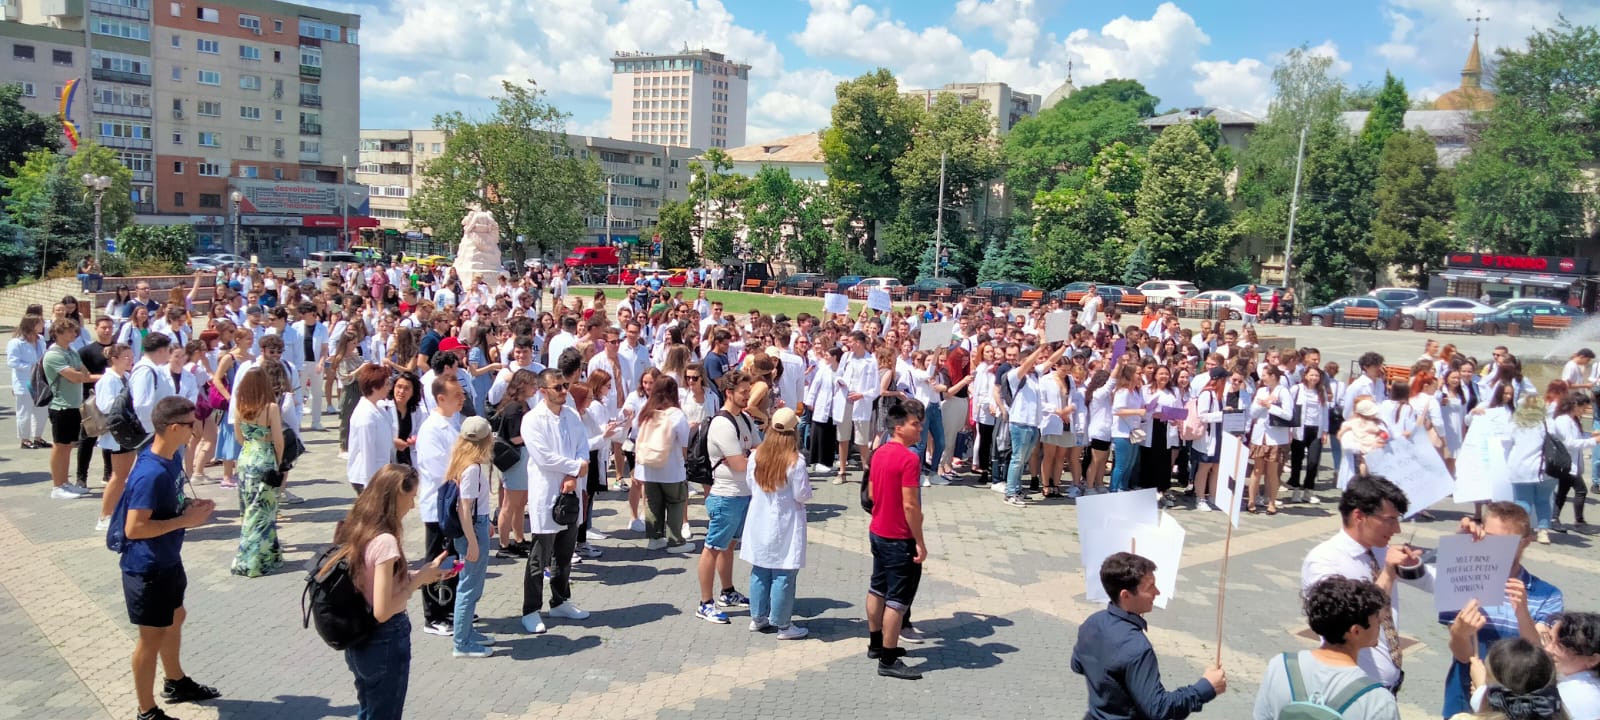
{"x":67,"y":93}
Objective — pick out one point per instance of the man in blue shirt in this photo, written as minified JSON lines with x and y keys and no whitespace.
{"x":153,"y":580}
{"x":1115,"y":657}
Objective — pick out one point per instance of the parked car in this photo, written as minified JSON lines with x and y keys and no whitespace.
{"x":866,"y":285}
{"x":1266,"y":291}
{"x":1398,"y":296}
{"x":1335,"y":310}
{"x":1523,"y":315}
{"x":631,"y":274}
{"x":929,"y":285}
{"x":201,"y":263}
{"x":1071,"y":288}
{"x":847,"y":282}
{"x":1234,"y":302}
{"x":328,"y":261}
{"x":1428,"y":309}
{"x":1512,"y":303}
{"x":1167,"y":292}
{"x":1003,"y":290}
{"x":230,"y":260}
{"x":792,"y":283}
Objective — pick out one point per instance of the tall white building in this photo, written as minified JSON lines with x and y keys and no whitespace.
{"x":695,"y":98}
{"x":1006,"y":107}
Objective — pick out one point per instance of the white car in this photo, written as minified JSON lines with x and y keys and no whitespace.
{"x":1168,"y":292}
{"x":228,"y":260}
{"x":1224,"y":298}
{"x":875,"y":283}
{"x":1425,"y":309}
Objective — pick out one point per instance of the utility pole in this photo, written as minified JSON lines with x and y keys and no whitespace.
{"x":608,"y":211}
{"x":1294,"y":207}
{"x":938,"y":227}
{"x":344,"y":203}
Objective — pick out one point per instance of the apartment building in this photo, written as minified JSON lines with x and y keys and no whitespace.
{"x":695,"y":98}
{"x":41,"y":60}
{"x":1006,"y":107}
{"x":208,"y":100}
{"x":390,"y":165}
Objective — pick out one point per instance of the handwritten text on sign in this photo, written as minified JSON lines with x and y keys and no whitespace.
{"x":1470,"y":569}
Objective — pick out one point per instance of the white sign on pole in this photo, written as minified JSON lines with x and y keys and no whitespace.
{"x":878,"y":300}
{"x":935,"y":335}
{"x":1105,"y":527}
{"x":1160,"y":542}
{"x":1481,"y":464}
{"x":1469,"y":568}
{"x":1058,"y":326}
{"x":1233,"y":471}
{"x":836,"y":304}
{"x":1416,"y":468}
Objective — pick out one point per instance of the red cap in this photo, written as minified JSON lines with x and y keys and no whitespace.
{"x":451,"y":343}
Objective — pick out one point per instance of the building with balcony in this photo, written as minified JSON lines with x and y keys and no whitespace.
{"x":695,"y":98}
{"x":42,"y":60}
{"x":1006,"y":107}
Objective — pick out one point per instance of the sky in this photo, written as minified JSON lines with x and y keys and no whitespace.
{"x":425,"y":57}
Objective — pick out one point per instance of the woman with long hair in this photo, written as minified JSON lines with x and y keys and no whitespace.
{"x":1160,"y":448}
{"x":260,"y":427}
{"x":775,"y":526}
{"x":119,"y":362}
{"x":402,"y":405}
{"x":1208,"y":448}
{"x":507,"y":420}
{"x":1567,"y":427}
{"x":1098,"y":394}
{"x":202,"y":447}
{"x":1056,"y":433}
{"x":1267,"y":439}
{"x":117,"y":306}
{"x":469,"y":468}
{"x":480,"y":366}
{"x":985,"y":411}
{"x":369,"y":541}
{"x":228,"y":445}
{"x":676,"y":363}
{"x":402,"y":355}
{"x":1306,"y":441}
{"x":346,"y":360}
{"x":955,"y":373}
{"x":1515,"y":680}
{"x":23,"y":351}
{"x":1128,"y":425}
{"x":135,"y":329}
{"x":826,"y":401}
{"x":1453,"y":411}
{"x":762,"y":369}
{"x":662,"y":431}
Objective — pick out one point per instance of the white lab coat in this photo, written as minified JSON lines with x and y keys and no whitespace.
{"x":557,"y":446}
{"x":371,"y":442}
{"x":825,"y":397}
{"x":775,"y":524}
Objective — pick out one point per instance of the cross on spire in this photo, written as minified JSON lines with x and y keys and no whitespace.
{"x":1069,"y":71}
{"x":1477,"y":23}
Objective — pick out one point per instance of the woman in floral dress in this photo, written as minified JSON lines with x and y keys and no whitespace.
{"x":260,"y":431}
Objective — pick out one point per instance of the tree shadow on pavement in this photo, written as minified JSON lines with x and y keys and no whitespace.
{"x":814,"y":606}
{"x":951,"y":642}
{"x":284,"y":706}
{"x":625,"y":574}
{"x":16,"y":479}
{"x":820,"y":513}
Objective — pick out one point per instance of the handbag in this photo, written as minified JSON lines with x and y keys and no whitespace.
{"x":1555,"y":458}
{"x":565,"y":509}
{"x":272,"y":478}
{"x":1293,"y":420}
{"x":94,"y":421}
{"x":506,"y":455}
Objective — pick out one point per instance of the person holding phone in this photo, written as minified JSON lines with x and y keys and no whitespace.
{"x":370,"y":541}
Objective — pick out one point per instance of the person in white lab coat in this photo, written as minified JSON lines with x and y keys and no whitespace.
{"x":775,"y":526}
{"x":558,"y":459}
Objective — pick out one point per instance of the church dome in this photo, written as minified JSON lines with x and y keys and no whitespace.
{"x":1471,"y":95}
{"x":1060,"y":93}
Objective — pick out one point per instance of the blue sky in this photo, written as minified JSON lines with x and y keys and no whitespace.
{"x":423,"y":57}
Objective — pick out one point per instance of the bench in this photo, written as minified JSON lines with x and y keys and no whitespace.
{"x":897,"y":293}
{"x":830,"y":288}
{"x":804,"y":288}
{"x":1392,"y":373}
{"x":1030,"y":297}
{"x":1553,"y":324}
{"x":984,"y":293}
{"x":1359,"y":315}
{"x":1075,"y":297}
{"x":1453,"y":320}
{"x":942,"y":294}
{"x":769,"y":287}
{"x":1132,"y":302}
{"x":752,"y":285}
{"x":1195,"y":308}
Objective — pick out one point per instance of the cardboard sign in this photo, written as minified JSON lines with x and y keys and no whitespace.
{"x":1235,"y":422}
{"x":836,"y":304}
{"x":878,"y":300}
{"x":1481,"y":464}
{"x":1233,"y":470}
{"x":1161,"y":542}
{"x":1058,"y":326}
{"x":1468,"y":569}
{"x":1415,"y":467}
{"x":1118,"y":348}
{"x":936,"y":335}
{"x":1105,"y":527}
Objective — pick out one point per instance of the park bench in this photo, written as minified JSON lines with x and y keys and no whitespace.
{"x":1553,"y":324}
{"x":752,"y":285}
{"x":1192,"y":308}
{"x":1392,"y":373}
{"x":1075,"y":297}
{"x":1359,"y":316}
{"x":1030,"y":298}
{"x":1131,"y":302}
{"x":1453,"y":321}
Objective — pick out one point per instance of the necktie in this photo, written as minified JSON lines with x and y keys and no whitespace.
{"x":1391,"y":636}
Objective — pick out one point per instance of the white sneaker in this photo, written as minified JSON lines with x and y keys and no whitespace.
{"x":597,"y":535}
{"x":289,"y":498}
{"x":62,"y":493}
{"x":636,"y":525}
{"x":820,"y":469}
{"x":75,"y":488}
{"x":938,"y":480}
{"x":533,"y":623}
{"x":102,"y":524}
{"x":759,"y":624}
{"x":1203,"y":506}
{"x":998,"y":487}
{"x":656,"y":544}
{"x":569,"y":612}
{"x":795,"y":632}
{"x":587,"y":551}
{"x":688,"y":532}
{"x":686,"y":547}
{"x":344,"y":454}
{"x":925,"y":481}
{"x":318,"y":428}
{"x":1312,"y":499}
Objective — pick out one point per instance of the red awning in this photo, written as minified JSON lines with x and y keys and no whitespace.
{"x":334,"y":221}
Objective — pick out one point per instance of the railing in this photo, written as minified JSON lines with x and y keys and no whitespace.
{"x":102,"y":108}
{"x":120,"y":76}
{"x":310,"y":157}
{"x":314,"y":101}
{"x":310,"y":128}
{"x":120,"y":10}
{"x":144,"y":208}
{"x":125,"y":143}
{"x":310,"y":71}
{"x":143,"y":176}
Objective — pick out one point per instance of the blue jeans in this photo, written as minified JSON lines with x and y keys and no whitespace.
{"x":382,"y":666}
{"x":1594,"y":459}
{"x":805,"y":432}
{"x":772,"y":594}
{"x":932,"y":427}
{"x":1126,"y":457}
{"x":469,"y":584}
{"x":1536,"y":498}
{"x":1338,"y":452}
{"x":1023,"y":439}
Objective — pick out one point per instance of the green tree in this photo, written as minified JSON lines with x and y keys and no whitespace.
{"x":818,"y":212}
{"x":47,"y":198}
{"x":871,"y":127}
{"x":962,"y":136}
{"x":717,"y":194}
{"x":1078,"y":235}
{"x":1388,"y":115}
{"x":676,"y":224}
{"x":1053,"y":148}
{"x":1333,"y":234}
{"x":771,"y":209}
{"x":1007,"y":258}
{"x":1520,"y":190}
{"x":159,"y":243}
{"x":1182,"y":220}
{"x":516,"y":164}
{"x":23,"y":131}
{"x":1415,"y":200}
{"x":1138,"y":269}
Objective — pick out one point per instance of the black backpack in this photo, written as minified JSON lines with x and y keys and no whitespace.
{"x":39,"y":388}
{"x":332,"y":601}
{"x":697,"y":465}
{"x":123,"y":422}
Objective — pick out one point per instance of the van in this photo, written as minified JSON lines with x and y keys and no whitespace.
{"x":329,"y":260}
{"x":593,"y":256}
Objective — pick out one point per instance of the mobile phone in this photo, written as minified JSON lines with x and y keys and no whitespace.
{"x":456,"y":569}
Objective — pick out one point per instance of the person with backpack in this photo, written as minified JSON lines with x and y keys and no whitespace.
{"x":1326,"y":683}
{"x":467,"y":478}
{"x":432,"y":455}
{"x":112,"y":397}
{"x":558,"y":456}
{"x":369,"y":544}
{"x":65,"y":373}
{"x":662,"y":433}
{"x":152,"y":515}
{"x":731,"y":435}
{"x":23,"y":352}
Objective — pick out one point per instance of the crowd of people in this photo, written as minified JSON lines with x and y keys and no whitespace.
{"x":499,"y":408}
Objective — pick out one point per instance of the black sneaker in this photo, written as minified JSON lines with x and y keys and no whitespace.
{"x":899,"y":670}
{"x":185,"y":689}
{"x":155,"y":713}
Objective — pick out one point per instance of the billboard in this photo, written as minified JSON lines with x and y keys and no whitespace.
{"x":282,"y":197}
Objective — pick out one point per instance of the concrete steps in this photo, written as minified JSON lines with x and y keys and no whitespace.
{"x":15,"y":301}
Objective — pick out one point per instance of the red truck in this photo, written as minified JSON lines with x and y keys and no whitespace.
{"x":593,"y":262}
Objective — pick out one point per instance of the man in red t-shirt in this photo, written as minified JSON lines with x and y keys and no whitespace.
{"x":1252,"y":305}
{"x":898,"y":550}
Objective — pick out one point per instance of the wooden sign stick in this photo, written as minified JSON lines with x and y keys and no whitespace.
{"x":1227,"y":547}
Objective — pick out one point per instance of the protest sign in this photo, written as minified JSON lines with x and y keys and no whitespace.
{"x":1468,"y":569}
{"x":1233,"y":468}
{"x":1106,"y":525}
{"x":878,"y":300}
{"x":935,"y":335}
{"x":1416,"y":468}
{"x":1235,"y":422}
{"x":1118,"y":348}
{"x":1058,"y":326}
{"x":836,"y":304}
{"x":1481,"y":463}
{"x":1163,"y":545}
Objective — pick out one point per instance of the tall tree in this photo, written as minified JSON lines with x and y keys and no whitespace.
{"x":963,"y":136}
{"x":1333,"y":233}
{"x":1007,"y":258}
{"x":1388,"y":115}
{"x":676,"y":224}
{"x":717,"y":195}
{"x":818,"y":212}
{"x":871,"y":127}
{"x":46,"y":197}
{"x":1415,"y":199}
{"x":1520,"y":190}
{"x":1183,"y":221}
{"x":771,"y":209}
{"x":23,"y":131}
{"x":1053,"y":148}
{"x":518,"y":165}
{"x":1079,"y":233}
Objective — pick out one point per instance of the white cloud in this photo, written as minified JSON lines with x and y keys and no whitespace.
{"x":1243,"y":85}
{"x":1437,"y":35}
{"x":1147,"y":50}
{"x":1014,"y":22}
{"x":842,"y":29}
{"x":1329,"y":49}
{"x":1397,"y":49}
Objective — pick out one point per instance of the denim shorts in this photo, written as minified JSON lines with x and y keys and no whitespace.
{"x":726,"y":513}
{"x":895,"y":576}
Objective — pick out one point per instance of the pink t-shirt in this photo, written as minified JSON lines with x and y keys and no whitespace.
{"x":380,"y":551}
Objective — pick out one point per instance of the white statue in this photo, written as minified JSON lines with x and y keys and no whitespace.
{"x":479,"y":255}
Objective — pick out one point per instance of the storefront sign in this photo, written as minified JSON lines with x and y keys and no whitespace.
{"x":1525,"y":263}
{"x":279,"y":197}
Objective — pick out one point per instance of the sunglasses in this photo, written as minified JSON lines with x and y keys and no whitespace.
{"x":558,"y":388}
{"x":691,"y":377}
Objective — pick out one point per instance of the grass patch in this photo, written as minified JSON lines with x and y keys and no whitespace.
{"x":741,"y":302}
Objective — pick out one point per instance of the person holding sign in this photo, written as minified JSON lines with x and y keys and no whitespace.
{"x":1348,"y":615}
{"x":1116,"y":659}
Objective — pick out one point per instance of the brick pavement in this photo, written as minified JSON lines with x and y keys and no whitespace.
{"x":1000,"y":603}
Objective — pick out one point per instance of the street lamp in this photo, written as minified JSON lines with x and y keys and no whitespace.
{"x":97,"y":184}
{"x":236,"y":197}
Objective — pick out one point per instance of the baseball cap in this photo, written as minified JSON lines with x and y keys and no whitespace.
{"x":784,"y":420}
{"x":1367,"y":408}
{"x":474,"y":429}
{"x":451,"y":343}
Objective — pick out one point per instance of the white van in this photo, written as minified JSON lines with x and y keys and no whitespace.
{"x":329,"y":261}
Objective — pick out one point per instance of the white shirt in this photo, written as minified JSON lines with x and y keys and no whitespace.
{"x":557,"y":446}
{"x":151,"y":382}
{"x":371,"y":442}
{"x":1580,"y":695}
{"x":860,"y":375}
{"x":1262,"y":431}
{"x":1128,"y":399}
{"x":475,"y":488}
{"x":432,"y":457}
{"x":1342,"y":555}
{"x":775,"y":523}
{"x":559,"y":343}
{"x":1025,"y":409}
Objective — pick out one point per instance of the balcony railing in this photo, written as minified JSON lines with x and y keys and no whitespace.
{"x":143,"y":176}
{"x":120,"y":76}
{"x":101,"y":108}
{"x":309,"y":156}
{"x":125,"y":143}
{"x":310,"y":71}
{"x":144,"y":208}
{"x":119,"y":10}
{"x":310,"y":128}
{"x":312,"y":101}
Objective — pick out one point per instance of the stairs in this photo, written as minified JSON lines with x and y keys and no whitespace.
{"x":15,"y":301}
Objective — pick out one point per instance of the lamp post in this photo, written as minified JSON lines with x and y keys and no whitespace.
{"x":236,"y":197}
{"x":344,"y":203}
{"x":97,"y":184}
